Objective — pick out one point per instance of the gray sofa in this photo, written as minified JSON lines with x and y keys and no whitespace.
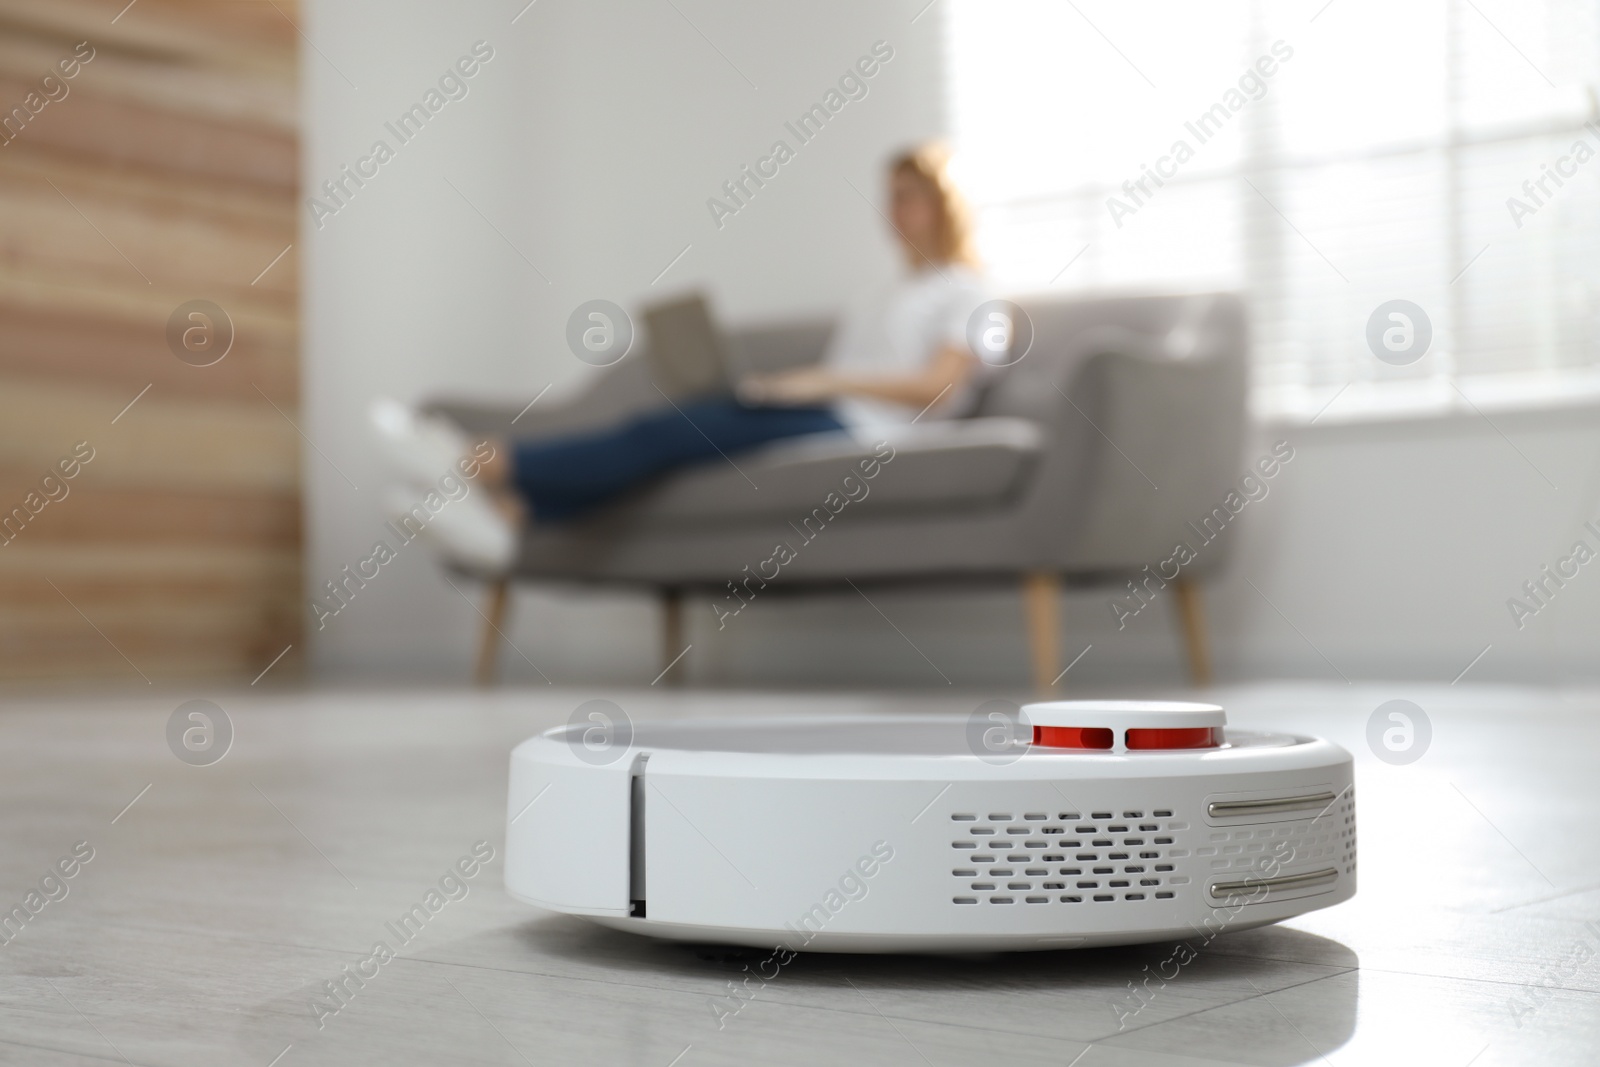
{"x":1083,"y":462}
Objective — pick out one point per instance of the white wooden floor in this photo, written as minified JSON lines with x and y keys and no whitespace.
{"x":216,"y":905}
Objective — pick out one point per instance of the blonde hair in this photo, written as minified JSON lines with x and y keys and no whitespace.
{"x":930,"y":162}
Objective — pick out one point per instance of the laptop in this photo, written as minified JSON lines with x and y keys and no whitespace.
{"x":687,"y":351}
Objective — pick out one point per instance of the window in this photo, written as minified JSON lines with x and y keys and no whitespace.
{"x":1321,"y":158}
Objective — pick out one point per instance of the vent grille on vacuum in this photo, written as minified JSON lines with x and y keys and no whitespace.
{"x":1347,"y":827}
{"x":1065,"y":857}
{"x":1323,"y":840}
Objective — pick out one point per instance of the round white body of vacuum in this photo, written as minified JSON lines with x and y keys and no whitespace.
{"x":1071,"y":827}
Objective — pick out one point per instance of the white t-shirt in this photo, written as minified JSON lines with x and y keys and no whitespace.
{"x":898,"y":331}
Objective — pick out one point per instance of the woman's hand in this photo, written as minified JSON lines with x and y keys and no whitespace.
{"x":806,"y":385}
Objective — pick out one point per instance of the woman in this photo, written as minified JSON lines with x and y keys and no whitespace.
{"x":903,"y":357}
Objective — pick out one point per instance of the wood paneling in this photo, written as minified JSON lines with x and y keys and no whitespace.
{"x":168,"y":172}
{"x":169,"y":610}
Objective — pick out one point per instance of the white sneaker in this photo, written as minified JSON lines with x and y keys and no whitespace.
{"x":470,"y":531}
{"x":419,"y":447}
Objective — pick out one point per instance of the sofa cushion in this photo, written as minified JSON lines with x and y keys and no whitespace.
{"x":960,"y":463}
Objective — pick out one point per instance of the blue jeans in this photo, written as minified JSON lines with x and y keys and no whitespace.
{"x":563,"y":477}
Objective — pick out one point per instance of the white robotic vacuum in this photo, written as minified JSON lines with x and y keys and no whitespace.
{"x":1065,"y":824}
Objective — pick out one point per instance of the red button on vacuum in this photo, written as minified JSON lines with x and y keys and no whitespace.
{"x":1185,"y":737}
{"x":1132,"y":726}
{"x":1074,"y":736}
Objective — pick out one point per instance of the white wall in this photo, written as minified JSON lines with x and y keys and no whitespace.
{"x":592,"y":141}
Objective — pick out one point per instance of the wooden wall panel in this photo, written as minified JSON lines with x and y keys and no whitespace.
{"x":176,"y":236}
{"x":171,"y":611}
{"x":167,"y":173}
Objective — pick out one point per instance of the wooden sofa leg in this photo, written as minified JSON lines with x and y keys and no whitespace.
{"x":1041,"y":599}
{"x":1192,"y":619}
{"x":494,"y":618}
{"x":671,"y":635}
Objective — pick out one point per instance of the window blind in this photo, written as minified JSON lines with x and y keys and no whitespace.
{"x":1322,"y":158}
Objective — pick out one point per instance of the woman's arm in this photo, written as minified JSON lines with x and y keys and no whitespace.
{"x":951,"y":367}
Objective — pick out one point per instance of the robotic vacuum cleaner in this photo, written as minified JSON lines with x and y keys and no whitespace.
{"x":1065,"y":824}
